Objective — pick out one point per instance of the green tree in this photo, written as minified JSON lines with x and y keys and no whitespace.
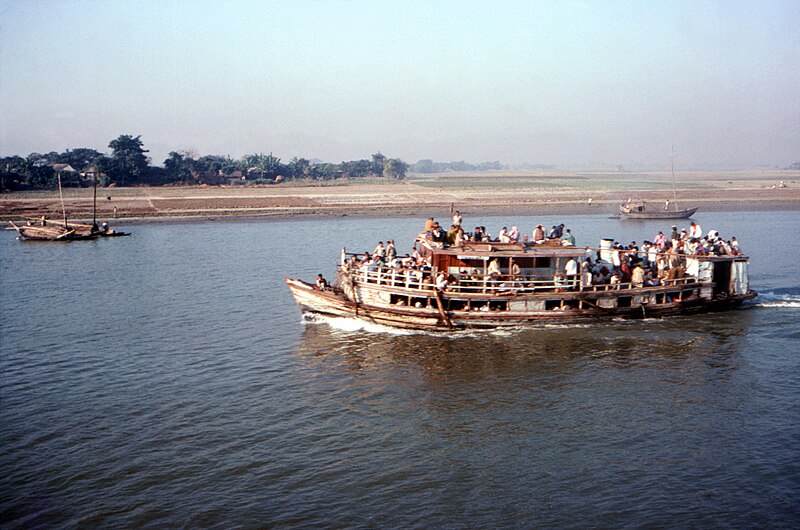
{"x":178,"y":168}
{"x":298,"y":168}
{"x":12,"y":172}
{"x":395,"y":169}
{"x":128,"y":161}
{"x":378,"y":163}
{"x":79,"y":158}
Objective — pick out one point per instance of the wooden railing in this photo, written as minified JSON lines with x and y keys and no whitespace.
{"x":477,"y":283}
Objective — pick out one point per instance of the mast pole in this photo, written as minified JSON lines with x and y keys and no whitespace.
{"x":674,"y":186}
{"x":94,"y":205}
{"x":61,"y":194}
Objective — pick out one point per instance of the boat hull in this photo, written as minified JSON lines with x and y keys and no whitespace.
{"x":663,"y":214}
{"x":334,"y":303}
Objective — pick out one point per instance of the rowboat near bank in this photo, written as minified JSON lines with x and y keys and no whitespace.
{"x":52,"y":230}
{"x":473,"y":285}
{"x":638,"y":209}
{"x":643,"y":210}
{"x":42,"y":229}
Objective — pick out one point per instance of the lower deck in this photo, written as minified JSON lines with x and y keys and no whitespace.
{"x":440,"y":311}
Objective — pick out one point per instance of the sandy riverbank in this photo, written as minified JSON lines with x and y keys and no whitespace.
{"x":478,"y":194}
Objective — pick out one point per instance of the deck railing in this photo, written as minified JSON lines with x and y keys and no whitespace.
{"x":415,"y":279}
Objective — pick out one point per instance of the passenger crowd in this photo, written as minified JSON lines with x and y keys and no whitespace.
{"x":648,"y":264}
{"x":654,"y":261}
{"x":456,"y":235}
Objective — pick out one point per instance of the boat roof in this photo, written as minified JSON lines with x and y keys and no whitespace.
{"x":470,"y":249}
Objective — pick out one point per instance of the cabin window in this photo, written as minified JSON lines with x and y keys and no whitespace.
{"x":417,"y":301}
{"x":472,"y":264}
{"x":498,"y":305}
{"x":624,"y":301}
{"x":543,"y":263}
{"x":552,"y":304}
{"x":659,"y":298}
{"x":525,"y":263}
{"x":673,"y":296}
{"x":571,"y":304}
{"x":396,"y":299}
{"x":457,"y":305}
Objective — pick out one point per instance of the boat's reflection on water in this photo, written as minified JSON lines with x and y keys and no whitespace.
{"x":712,"y":340}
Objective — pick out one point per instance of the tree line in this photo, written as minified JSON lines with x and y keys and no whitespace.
{"x":129,"y":165}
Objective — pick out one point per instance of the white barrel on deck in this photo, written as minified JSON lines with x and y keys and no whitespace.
{"x":605,"y":249}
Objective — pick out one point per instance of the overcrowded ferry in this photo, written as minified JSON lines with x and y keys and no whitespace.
{"x":456,"y":280}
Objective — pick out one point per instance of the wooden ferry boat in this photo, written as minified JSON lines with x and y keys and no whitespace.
{"x":530,"y":289}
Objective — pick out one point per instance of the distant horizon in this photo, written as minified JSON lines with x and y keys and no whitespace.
{"x":573,"y":84}
{"x":523,"y":166}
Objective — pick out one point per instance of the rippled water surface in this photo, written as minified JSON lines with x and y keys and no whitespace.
{"x":167,"y":379}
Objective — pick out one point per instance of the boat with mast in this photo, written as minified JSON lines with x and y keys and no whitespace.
{"x":43,"y":229}
{"x":639,"y":209}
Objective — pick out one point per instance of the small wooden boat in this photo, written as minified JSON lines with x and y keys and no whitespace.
{"x":42,"y":229}
{"x":640,"y":210}
{"x":50,"y":232}
{"x":643,"y":210}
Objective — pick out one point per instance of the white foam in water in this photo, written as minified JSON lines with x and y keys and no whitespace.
{"x":351,"y":325}
{"x":782,"y":304}
{"x":782,"y":301}
{"x":355,"y":324}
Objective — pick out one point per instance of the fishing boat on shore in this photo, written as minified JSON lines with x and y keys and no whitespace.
{"x":473,"y":285}
{"x":43,"y":229}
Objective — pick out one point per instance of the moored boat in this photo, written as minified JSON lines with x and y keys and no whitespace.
{"x":637,"y":209}
{"x":54,"y":230}
{"x":643,"y":210}
{"x":491,"y":285}
{"x":42,"y":229}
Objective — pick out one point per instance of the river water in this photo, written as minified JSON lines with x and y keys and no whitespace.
{"x":167,"y":379}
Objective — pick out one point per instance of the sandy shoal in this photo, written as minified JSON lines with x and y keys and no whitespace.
{"x":481,"y":194}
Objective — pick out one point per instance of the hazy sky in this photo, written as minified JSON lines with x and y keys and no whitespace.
{"x":571,"y":83}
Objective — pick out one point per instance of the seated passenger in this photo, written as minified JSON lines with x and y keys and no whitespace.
{"x":556,"y":232}
{"x":320,"y":284}
{"x":513,"y":234}
{"x":503,"y":237}
{"x":568,"y":238}
{"x":538,"y":234}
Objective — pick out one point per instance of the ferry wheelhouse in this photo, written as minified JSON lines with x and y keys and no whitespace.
{"x":531,"y":287}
